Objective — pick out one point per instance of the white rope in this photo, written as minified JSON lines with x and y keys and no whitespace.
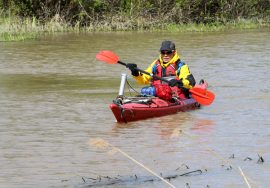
{"x":100,"y":143}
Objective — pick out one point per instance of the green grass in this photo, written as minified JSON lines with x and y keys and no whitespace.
{"x":16,"y":29}
{"x":214,"y":27}
{"x":12,"y":29}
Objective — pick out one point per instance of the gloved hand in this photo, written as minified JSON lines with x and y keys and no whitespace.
{"x":175,"y":82}
{"x":132,"y":67}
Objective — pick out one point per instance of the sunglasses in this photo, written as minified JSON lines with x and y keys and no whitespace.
{"x":166,"y":52}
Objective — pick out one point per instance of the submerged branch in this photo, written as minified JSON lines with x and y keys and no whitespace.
{"x":106,"y":180}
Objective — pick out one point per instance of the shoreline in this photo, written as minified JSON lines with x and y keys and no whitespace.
{"x":16,"y":29}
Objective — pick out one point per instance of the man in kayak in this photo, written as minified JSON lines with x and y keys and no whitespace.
{"x":168,"y":66}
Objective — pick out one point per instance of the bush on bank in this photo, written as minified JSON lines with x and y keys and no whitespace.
{"x":20,"y":20}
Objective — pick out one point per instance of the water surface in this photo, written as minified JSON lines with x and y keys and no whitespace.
{"x":54,"y":99}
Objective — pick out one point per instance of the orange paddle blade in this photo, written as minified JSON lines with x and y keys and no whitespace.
{"x":107,"y":57}
{"x":202,"y":96}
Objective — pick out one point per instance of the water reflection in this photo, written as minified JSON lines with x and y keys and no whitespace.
{"x":170,"y":126}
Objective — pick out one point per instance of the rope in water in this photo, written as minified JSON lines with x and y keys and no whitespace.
{"x":100,"y":143}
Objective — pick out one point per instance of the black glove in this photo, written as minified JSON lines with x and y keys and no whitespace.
{"x":132,"y":67}
{"x":174,"y":82}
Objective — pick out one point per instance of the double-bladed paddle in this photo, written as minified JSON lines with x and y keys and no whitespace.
{"x":202,"y":96}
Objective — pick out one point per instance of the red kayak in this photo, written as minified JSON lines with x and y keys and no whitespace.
{"x":126,"y":109}
{"x":138,"y":108}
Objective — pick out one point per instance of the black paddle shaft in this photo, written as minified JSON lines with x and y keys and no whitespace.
{"x":144,"y":72}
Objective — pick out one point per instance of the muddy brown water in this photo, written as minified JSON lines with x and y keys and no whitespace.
{"x":54,"y":99}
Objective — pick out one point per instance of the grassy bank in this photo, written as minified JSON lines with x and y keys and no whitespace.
{"x":18,"y":18}
{"x":241,"y":24}
{"x":17,"y":29}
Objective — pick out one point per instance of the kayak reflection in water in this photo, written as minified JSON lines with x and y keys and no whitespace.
{"x":170,"y":67}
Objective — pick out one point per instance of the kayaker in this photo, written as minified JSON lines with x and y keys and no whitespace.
{"x":169,"y":66}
